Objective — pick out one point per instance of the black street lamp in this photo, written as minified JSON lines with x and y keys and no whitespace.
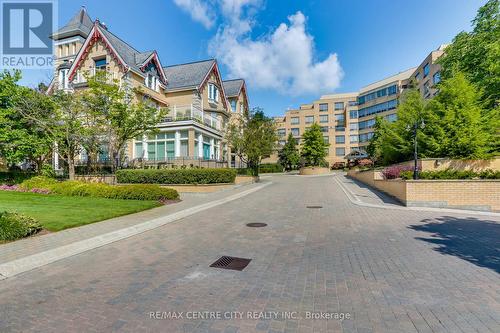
{"x":415,"y":128}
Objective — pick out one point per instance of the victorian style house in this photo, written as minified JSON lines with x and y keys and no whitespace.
{"x":200,"y":103}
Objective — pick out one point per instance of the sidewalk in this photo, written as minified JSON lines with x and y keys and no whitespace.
{"x":363,"y":195}
{"x":37,"y":244}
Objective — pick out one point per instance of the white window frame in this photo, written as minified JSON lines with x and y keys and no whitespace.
{"x":213,"y":92}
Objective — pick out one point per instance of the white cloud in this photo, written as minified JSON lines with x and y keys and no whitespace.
{"x":282,"y":60}
{"x":199,"y":10}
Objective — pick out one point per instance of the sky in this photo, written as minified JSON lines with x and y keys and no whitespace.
{"x":290,"y":52}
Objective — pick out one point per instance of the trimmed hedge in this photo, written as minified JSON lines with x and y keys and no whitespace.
{"x":270,"y":168}
{"x":82,"y":189}
{"x":14,"y":177}
{"x":177,"y":176}
{"x":453,"y":174}
{"x":14,"y":226}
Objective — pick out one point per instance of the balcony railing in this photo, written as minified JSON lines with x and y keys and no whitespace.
{"x":192,"y":112}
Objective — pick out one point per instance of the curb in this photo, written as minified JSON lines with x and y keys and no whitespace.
{"x":21,"y":265}
{"x":352,"y":197}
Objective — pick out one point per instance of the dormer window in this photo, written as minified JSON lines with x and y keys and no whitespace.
{"x":100,"y":64}
{"x":213,"y":92}
{"x":151,"y":82}
{"x":63,"y":79}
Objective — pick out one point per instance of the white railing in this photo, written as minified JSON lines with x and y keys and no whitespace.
{"x":192,"y":112}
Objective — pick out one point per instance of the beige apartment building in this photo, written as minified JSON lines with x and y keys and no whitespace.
{"x":194,"y":93}
{"x":347,"y":119}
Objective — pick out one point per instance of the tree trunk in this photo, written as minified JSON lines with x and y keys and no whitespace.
{"x":71,"y":168}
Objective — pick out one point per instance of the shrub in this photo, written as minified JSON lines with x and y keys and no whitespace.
{"x":395,"y":171}
{"x":14,"y":226}
{"x":14,"y":177}
{"x":454,"y":174}
{"x":82,"y":189}
{"x":270,"y":168}
{"x":48,"y":171}
{"x":178,"y":176}
{"x":38,"y":182}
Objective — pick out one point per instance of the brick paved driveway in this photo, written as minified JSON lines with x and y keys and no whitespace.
{"x":390,"y":271}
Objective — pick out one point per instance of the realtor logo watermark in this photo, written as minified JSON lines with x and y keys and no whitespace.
{"x":25,"y":37}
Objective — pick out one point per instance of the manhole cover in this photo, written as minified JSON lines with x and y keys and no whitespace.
{"x":234,"y":263}
{"x":256,"y":225}
{"x":314,"y":207}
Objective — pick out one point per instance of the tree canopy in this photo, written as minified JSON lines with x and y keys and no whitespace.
{"x":314,"y":147}
{"x":252,"y":138}
{"x":289,"y":156}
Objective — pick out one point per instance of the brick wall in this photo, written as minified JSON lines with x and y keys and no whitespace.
{"x":462,"y":194}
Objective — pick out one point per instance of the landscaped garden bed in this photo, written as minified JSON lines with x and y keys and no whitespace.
{"x":58,"y":212}
{"x":54,"y":205}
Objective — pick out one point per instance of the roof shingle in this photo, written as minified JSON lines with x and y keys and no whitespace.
{"x":233,"y":87}
{"x":187,"y":75}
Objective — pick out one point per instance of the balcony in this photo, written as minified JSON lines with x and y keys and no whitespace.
{"x":193,"y":113}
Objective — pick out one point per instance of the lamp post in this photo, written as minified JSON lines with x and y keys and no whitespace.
{"x":415,"y":128}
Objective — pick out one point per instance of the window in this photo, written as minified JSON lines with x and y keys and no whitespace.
{"x":323,"y":107}
{"x":63,"y":79}
{"x":436,"y":78}
{"x":295,"y":120}
{"x":309,"y":119}
{"x":392,"y":90}
{"x":233,"y":105}
{"x":353,"y":126}
{"x":426,"y":69}
{"x":353,"y":138}
{"x":417,"y":76}
{"x":281,"y":132}
{"x":353,"y":114}
{"x":377,"y":108}
{"x":213,"y":93}
{"x":323,"y":118}
{"x":366,"y":124}
{"x":340,"y":118}
{"x":426,"y":87}
{"x":340,"y":128}
{"x":295,"y":131}
{"x":151,"y":82}
{"x":352,"y":103}
{"x":100,"y":64}
{"x":339,"y":105}
{"x":365,"y":137}
{"x":340,"y":151}
{"x":326,"y":139}
{"x":324,"y":129}
{"x":391,"y":117}
{"x":339,"y":139}
{"x":327,"y":151}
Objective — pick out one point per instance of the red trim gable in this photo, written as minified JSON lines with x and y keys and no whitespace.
{"x":94,"y":35}
{"x":215,"y":70}
{"x":154,"y":58}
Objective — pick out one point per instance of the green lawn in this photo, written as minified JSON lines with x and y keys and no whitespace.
{"x":57,"y":212}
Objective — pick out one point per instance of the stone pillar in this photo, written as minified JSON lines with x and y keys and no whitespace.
{"x":191,"y":138}
{"x":177,"y":144}
{"x":200,"y":146}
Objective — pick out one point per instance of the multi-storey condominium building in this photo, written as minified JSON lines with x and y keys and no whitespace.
{"x":347,"y":119}
{"x":200,"y":103}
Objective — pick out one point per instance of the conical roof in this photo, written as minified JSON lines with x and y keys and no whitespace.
{"x":79,"y":25}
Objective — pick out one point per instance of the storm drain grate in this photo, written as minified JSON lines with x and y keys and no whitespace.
{"x":234,"y":263}
{"x":256,"y":225}
{"x":314,"y":207}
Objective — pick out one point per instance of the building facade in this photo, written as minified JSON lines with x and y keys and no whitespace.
{"x":347,"y":120}
{"x":194,"y":93}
